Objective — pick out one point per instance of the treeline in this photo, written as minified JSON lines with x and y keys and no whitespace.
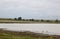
{"x":36,"y":20}
{"x":20,"y":18}
{"x":32,"y":20}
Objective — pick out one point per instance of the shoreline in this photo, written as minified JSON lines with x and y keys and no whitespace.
{"x":28,"y":23}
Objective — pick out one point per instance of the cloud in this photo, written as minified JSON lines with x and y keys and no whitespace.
{"x":33,"y":8}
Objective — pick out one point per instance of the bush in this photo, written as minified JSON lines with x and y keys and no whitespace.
{"x":31,"y":19}
{"x":47,"y":20}
{"x":56,"y":21}
{"x":42,"y":20}
{"x":15,"y":18}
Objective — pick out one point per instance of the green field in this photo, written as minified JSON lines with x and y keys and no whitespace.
{"x":6,"y":34}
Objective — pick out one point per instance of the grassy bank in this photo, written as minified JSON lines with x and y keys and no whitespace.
{"x":6,"y":34}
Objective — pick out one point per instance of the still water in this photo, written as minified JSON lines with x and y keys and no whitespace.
{"x":42,"y":28}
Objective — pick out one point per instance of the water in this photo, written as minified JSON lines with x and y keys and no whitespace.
{"x":42,"y":28}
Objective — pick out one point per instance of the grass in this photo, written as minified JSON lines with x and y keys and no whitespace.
{"x":14,"y":21}
{"x":6,"y":34}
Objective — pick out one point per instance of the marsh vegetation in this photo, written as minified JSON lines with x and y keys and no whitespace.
{"x":7,"y":34}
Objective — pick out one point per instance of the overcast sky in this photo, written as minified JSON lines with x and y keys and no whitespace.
{"x":43,"y":9}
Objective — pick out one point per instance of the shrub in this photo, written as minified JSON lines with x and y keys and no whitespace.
{"x":56,"y":21}
{"x":15,"y":18}
{"x":47,"y":20}
{"x":42,"y":20}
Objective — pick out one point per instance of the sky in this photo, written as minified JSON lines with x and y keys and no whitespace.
{"x":37,"y":9}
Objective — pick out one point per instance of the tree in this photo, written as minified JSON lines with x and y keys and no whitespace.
{"x":19,"y":18}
